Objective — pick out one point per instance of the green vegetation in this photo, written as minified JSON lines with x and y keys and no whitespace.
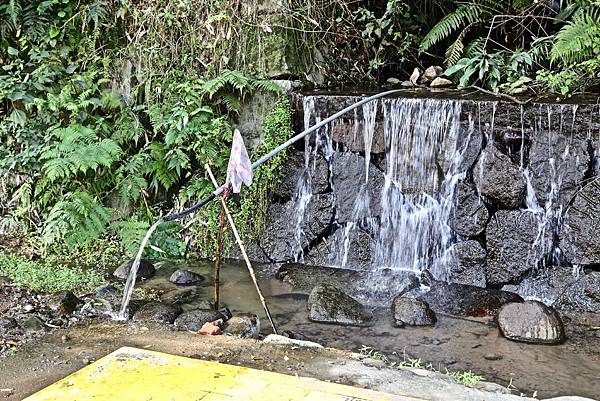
{"x":109,"y":109}
{"x":47,"y":277}
{"x":465,"y":378}
{"x":504,"y":46}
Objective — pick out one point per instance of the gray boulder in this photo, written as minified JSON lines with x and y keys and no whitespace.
{"x":514,"y":245}
{"x":547,"y":285}
{"x":185,"y":277}
{"x":348,"y":178}
{"x":469,"y":214}
{"x":412,"y":312}
{"x":579,"y":239}
{"x":193,"y":320}
{"x":145,"y":270}
{"x":468,"y":264}
{"x":531,"y":322}
{"x":499,"y":179}
{"x":157,"y":312}
{"x":328,"y":304}
{"x":466,"y":300}
{"x":245,"y":325}
{"x":432,"y":73}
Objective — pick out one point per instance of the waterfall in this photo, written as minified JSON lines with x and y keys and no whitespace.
{"x":423,"y":164}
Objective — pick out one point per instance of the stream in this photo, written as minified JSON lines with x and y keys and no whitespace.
{"x":453,"y":344}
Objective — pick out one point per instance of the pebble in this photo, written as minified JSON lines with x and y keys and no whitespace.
{"x":64,"y":338}
{"x":493,"y":357}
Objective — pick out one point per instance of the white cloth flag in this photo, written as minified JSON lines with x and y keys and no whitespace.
{"x":239,"y":168}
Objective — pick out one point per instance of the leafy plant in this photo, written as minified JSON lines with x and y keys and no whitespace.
{"x":47,"y":277}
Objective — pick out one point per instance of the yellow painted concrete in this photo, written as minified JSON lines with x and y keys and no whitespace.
{"x":133,"y":374}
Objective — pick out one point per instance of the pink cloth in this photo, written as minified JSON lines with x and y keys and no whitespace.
{"x":239,"y":169}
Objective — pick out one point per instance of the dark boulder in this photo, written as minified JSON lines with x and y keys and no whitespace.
{"x":157,"y":312}
{"x":295,"y":169}
{"x":185,"y":277}
{"x":193,"y":320}
{"x":582,"y":295}
{"x":469,"y":215}
{"x":531,"y":322}
{"x":468,"y":263}
{"x":579,"y":239}
{"x":514,"y":245}
{"x":244,"y":325}
{"x":412,"y":312}
{"x":305,"y":277}
{"x":145,"y":270}
{"x":328,"y":304}
{"x":462,"y":150}
{"x":287,"y":233}
{"x":350,"y":134}
{"x":370,"y":286}
{"x":499,"y":179}
{"x":547,"y":285}
{"x":347,"y":248}
{"x":348,"y":180}
{"x":558,"y":163}
{"x":466,"y":300}
{"x":64,"y":302}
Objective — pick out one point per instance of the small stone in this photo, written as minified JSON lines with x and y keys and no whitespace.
{"x":7,"y":322}
{"x":185,"y":277}
{"x":86,"y":361}
{"x":33,"y":324}
{"x":108,"y":291}
{"x":431,"y":73}
{"x":531,"y":322}
{"x":414,"y":77}
{"x":407,"y":84}
{"x":243,"y":326}
{"x":64,"y":302}
{"x":493,"y":357}
{"x":440,"y":82}
{"x":211,"y":328}
{"x":412,"y":312}
{"x":157,"y":312}
{"x":145,"y":270}
{"x":194,"y":320}
{"x":64,"y":338}
{"x":392,"y":81}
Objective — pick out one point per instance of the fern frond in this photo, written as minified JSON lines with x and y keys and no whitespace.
{"x":464,"y":15}
{"x":76,"y":220}
{"x":77,"y":151}
{"x":578,"y":39}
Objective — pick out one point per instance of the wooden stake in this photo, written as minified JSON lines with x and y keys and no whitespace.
{"x":218,"y":256}
{"x":238,"y":239}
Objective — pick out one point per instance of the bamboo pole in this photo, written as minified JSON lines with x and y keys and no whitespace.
{"x":238,"y":239}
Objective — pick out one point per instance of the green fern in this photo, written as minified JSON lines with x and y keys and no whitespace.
{"x":78,"y":219}
{"x":579,"y":39}
{"x":78,"y":150}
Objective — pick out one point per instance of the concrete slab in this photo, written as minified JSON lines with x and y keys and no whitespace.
{"x":135,"y":374}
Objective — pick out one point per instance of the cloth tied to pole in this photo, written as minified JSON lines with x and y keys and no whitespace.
{"x":239,"y":168}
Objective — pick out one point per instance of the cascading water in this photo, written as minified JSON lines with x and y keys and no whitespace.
{"x":411,"y":231}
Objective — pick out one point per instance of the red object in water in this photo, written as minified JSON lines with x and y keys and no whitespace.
{"x":211,"y":328}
